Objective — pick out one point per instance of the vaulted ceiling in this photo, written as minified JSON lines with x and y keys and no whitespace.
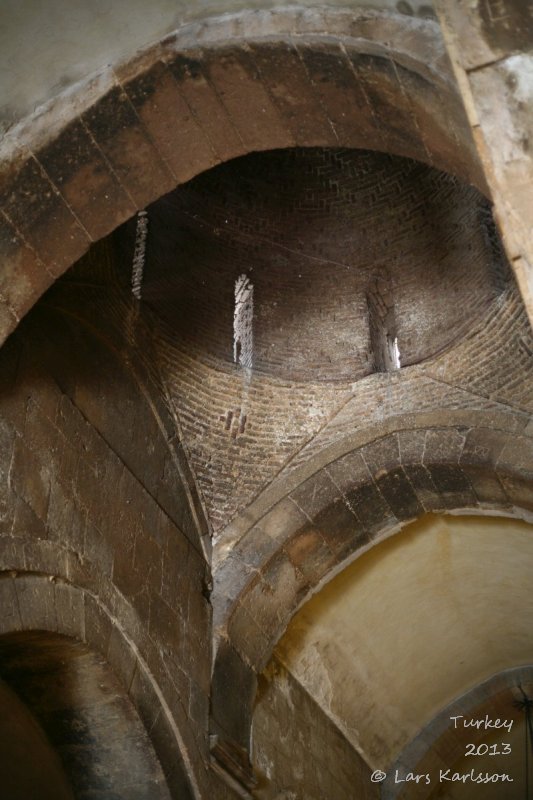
{"x":279,"y":294}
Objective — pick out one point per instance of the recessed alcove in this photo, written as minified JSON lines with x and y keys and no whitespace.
{"x":73,"y":725}
{"x":427,"y":625}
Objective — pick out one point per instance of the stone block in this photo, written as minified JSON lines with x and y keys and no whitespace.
{"x":486,"y":485}
{"x":232,"y":716}
{"x":9,"y":320}
{"x":340,"y":526}
{"x":453,"y":486}
{"x":390,"y":108}
{"x":411,"y":445}
{"x":287,"y":81}
{"x":121,"y":657}
{"x":198,"y":610}
{"x":316,"y":493}
{"x":483,"y":446}
{"x":382,"y":455}
{"x":36,"y":600}
{"x":98,"y":550}
{"x":245,"y":633}
{"x":234,"y":76}
{"x":97,"y":625}
{"x":125,"y":577}
{"x":370,"y":507}
{"x":485,"y":32}
{"x":66,"y":520}
{"x":31,"y":478}
{"x":400,"y":495}
{"x":518,"y":490}
{"x":340,"y":94}
{"x":43,"y":555}
{"x":10,"y":620}
{"x":170,"y":123}
{"x":164,"y":741}
{"x":260,"y":603}
{"x":283,"y":519}
{"x":70,"y":610}
{"x":349,"y":471}
{"x":444,"y":446}
{"x":120,"y":135}
{"x":165,"y":626}
{"x":309,"y":552}
{"x":517,"y":455}
{"x":39,"y":213}
{"x":254,"y":549}
{"x":148,"y":560}
{"x":426,"y":491}
{"x":12,"y":555}
{"x":26,"y":523}
{"x":77,"y":168}
{"x":23,"y":278}
{"x":144,"y":697}
{"x":204,"y":102}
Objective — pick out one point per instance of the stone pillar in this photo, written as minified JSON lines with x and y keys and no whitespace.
{"x":490,"y":44}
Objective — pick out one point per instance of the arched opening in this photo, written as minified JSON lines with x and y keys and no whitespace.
{"x":386,"y":650}
{"x":176,"y":344}
{"x":89,"y":159}
{"x":313,"y":231}
{"x":90,"y":726}
{"x":300,"y":347}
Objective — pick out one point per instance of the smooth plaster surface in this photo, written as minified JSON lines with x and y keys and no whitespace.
{"x":512,"y":764}
{"x":413,"y":624}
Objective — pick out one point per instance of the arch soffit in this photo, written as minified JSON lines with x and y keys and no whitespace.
{"x":493,"y":449}
{"x":39,"y":601}
{"x":213,"y":91}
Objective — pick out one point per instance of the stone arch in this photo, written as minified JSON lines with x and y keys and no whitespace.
{"x":46,"y":602}
{"x":313,"y":522}
{"x":243,"y":82}
{"x":83,"y":713}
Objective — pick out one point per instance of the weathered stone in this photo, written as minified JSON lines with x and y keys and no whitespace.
{"x":170,"y":123}
{"x":288,"y":83}
{"x":237,"y":82}
{"x":231,"y":719}
{"x":35,"y":208}
{"x":11,"y":620}
{"x":398,"y":492}
{"x":88,"y":185}
{"x":118,"y":132}
{"x":204,"y":102}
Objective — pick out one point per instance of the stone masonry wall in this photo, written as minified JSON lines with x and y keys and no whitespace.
{"x":98,"y":553}
{"x":298,"y":748}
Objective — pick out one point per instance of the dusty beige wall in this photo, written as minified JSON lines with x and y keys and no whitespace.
{"x":413,"y":624}
{"x":299,"y":749}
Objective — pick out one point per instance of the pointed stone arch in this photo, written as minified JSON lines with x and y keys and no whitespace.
{"x":255,"y":80}
{"x":47,"y":611}
{"x":312,"y":523}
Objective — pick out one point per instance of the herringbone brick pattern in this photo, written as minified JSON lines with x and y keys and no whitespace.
{"x":312,"y":230}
